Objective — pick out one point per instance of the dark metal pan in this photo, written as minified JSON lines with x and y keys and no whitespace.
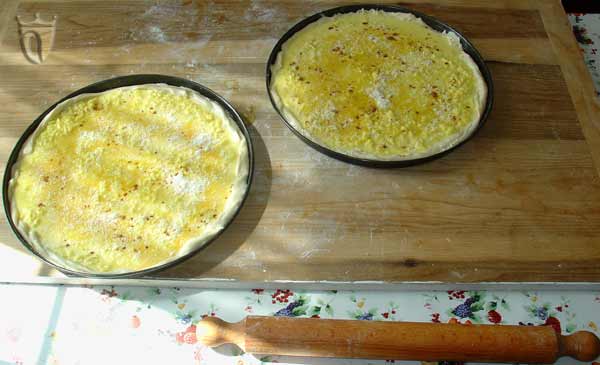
{"x":433,"y":23}
{"x":113,"y":84}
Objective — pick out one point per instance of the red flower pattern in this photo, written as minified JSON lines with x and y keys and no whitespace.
{"x":554,"y":322}
{"x":494,"y":317}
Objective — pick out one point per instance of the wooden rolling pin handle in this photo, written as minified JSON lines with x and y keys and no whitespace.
{"x":582,"y":345}
{"x":213,"y":331}
{"x":398,"y":340}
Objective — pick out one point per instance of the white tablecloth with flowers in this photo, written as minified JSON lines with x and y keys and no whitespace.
{"x":62,"y":325}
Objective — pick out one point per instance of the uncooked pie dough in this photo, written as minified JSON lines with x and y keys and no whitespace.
{"x":378,"y":85}
{"x":129,"y":178}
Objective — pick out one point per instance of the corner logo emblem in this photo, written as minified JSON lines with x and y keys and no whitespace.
{"x":37,"y":38}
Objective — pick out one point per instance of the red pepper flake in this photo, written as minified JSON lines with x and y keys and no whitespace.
{"x":391,"y":38}
{"x":434,"y":94}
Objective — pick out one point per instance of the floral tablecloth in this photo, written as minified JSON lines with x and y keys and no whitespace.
{"x":150,"y":325}
{"x":60,"y":325}
{"x":586,"y":28}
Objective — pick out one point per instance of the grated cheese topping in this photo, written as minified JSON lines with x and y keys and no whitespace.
{"x":129,"y":178}
{"x":379,"y":85}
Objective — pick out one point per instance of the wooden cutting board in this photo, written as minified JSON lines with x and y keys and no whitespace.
{"x":519,"y":202}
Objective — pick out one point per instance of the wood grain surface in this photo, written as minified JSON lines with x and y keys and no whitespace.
{"x":520,"y":202}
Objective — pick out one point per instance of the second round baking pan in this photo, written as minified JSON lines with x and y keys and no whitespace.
{"x":430,"y":21}
{"x":99,"y":87}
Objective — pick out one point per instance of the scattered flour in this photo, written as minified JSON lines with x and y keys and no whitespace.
{"x":170,"y":117}
{"x":161,"y":11}
{"x":107,"y":218}
{"x":260,"y":12}
{"x":87,"y":137}
{"x":182,"y":185}
{"x":150,"y":25}
{"x":156,"y":34}
{"x":307,"y":254}
{"x":202,"y":140}
{"x":328,"y":112}
{"x":378,"y":96}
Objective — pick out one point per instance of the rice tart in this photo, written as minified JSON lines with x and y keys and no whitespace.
{"x":128,"y":179}
{"x":378,"y":85}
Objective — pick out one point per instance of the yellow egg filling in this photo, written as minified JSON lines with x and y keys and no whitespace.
{"x":378,"y":85}
{"x":129,"y":178}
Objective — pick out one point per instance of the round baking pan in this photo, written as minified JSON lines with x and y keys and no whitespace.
{"x":433,"y":23}
{"x":113,"y":84}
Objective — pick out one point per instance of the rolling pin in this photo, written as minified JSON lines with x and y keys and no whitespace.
{"x":398,"y":340}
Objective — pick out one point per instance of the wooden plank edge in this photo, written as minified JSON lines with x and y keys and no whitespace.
{"x":504,"y":4}
{"x":230,"y":284}
{"x":578,"y":78}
